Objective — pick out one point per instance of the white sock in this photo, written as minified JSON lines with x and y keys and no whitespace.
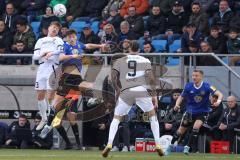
{"x":43,"y":106}
{"x":155,"y":129}
{"x":113,"y":130}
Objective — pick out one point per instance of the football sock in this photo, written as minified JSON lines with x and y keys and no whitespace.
{"x":193,"y":137}
{"x":42,"y":106}
{"x":63,"y":133}
{"x":155,"y":128}
{"x":76,"y":133}
{"x":113,"y":130}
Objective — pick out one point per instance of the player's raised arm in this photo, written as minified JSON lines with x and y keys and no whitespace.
{"x":36,"y":53}
{"x":95,"y":46}
{"x":220,"y":98}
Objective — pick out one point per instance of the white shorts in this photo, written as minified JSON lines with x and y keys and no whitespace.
{"x":43,"y":81}
{"x":137,"y":95}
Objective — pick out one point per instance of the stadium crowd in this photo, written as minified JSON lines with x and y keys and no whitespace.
{"x":190,"y":26}
{"x":200,"y":25}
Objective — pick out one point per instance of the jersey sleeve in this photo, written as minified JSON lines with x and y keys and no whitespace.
{"x":60,"y":44}
{"x":148,"y":65}
{"x":212,"y":89}
{"x":36,"y":52}
{"x":66,"y":49}
{"x":185,"y":91}
{"x":116,"y":65}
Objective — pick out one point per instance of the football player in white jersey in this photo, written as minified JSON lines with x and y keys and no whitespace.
{"x":134,"y":82}
{"x":47,"y":52}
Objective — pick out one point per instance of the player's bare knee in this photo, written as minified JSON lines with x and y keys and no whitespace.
{"x":41,"y":95}
{"x":118,"y":117}
{"x":151,"y":113}
{"x":198,"y":124}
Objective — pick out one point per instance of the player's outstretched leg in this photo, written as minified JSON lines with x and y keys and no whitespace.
{"x":42,"y":106}
{"x":112,"y":132}
{"x":155,"y":129}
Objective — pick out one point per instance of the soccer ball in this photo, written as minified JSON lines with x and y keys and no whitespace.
{"x":59,"y":10}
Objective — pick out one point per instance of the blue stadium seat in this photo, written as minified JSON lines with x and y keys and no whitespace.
{"x":173,"y":61}
{"x":77,"y":25}
{"x":175,"y":46}
{"x":159,"y":45}
{"x":140,"y":42}
{"x":95,"y":26}
{"x":35,"y":26}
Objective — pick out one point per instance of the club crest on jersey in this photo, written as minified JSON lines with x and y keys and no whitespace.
{"x":198,"y":99}
{"x":75,"y":51}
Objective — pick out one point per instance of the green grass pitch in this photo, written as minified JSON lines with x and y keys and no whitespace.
{"x":13,"y":154}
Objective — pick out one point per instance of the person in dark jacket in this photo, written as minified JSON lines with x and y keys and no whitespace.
{"x":177,"y":19}
{"x":213,"y":117}
{"x":6,"y":37}
{"x":75,"y":9}
{"x":233,"y":45}
{"x":199,"y":18}
{"x":223,"y":17}
{"x":235,"y":21}
{"x":217,"y":40}
{"x":191,"y":35}
{"x":229,"y":120}
{"x":3,"y":132}
{"x":125,"y":32}
{"x":2,"y":7}
{"x":33,"y":8}
{"x":88,"y":36}
{"x":47,"y":18}
{"x":135,"y":22}
{"x":17,"y":137}
{"x":10,"y":17}
{"x":156,"y":22}
{"x":37,"y":142}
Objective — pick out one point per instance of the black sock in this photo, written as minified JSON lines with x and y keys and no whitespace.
{"x":193,"y":137}
{"x":63,"y":133}
{"x":175,"y":138}
{"x":51,"y":116}
{"x":76,"y":133}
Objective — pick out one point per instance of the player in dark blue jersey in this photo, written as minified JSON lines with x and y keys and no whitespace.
{"x":70,"y":80}
{"x":197,"y":97}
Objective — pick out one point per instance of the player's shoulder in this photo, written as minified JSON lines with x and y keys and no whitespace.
{"x":206,"y":84}
{"x":59,"y":39}
{"x":189,"y":85}
{"x":118,"y":56}
{"x":138,"y":58}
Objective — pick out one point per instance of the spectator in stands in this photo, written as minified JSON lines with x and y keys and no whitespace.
{"x":38,"y":142}
{"x":199,"y":18}
{"x":140,"y":5}
{"x":63,"y":31}
{"x":166,"y":5}
{"x":20,"y":49}
{"x":124,"y":46}
{"x":19,"y":135}
{"x":205,"y":47}
{"x":55,"y":2}
{"x":125,"y":33}
{"x":156,"y":22}
{"x":46,"y":20}
{"x":229,"y":120}
{"x":191,"y":35}
{"x":17,"y":5}
{"x":108,"y":34}
{"x":88,"y":36}
{"x":214,"y":115}
{"x":217,"y":40}
{"x":75,"y":9}
{"x":177,"y":19}
{"x":135,"y":22}
{"x":116,"y":4}
{"x":6,"y":38}
{"x":113,"y":18}
{"x":148,"y":47}
{"x":233,"y":45}
{"x":192,"y":48}
{"x":172,"y":119}
{"x":3,"y":132}
{"x":94,"y":8}
{"x":10,"y":17}
{"x":223,"y":17}
{"x":24,"y":33}
{"x":33,"y":8}
{"x":2,"y":7}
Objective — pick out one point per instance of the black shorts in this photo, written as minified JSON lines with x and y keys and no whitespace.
{"x":189,"y":119}
{"x":68,"y":82}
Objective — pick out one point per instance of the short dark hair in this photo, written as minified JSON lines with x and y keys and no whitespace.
{"x":19,"y":41}
{"x":134,"y":46}
{"x":199,"y":71}
{"x":177,"y":90}
{"x":22,"y":21}
{"x":71,"y":31}
{"x":196,"y":3}
{"x":214,"y":96}
{"x":215,"y":27}
{"x":56,"y":23}
{"x":22,"y":116}
{"x":233,"y":29}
